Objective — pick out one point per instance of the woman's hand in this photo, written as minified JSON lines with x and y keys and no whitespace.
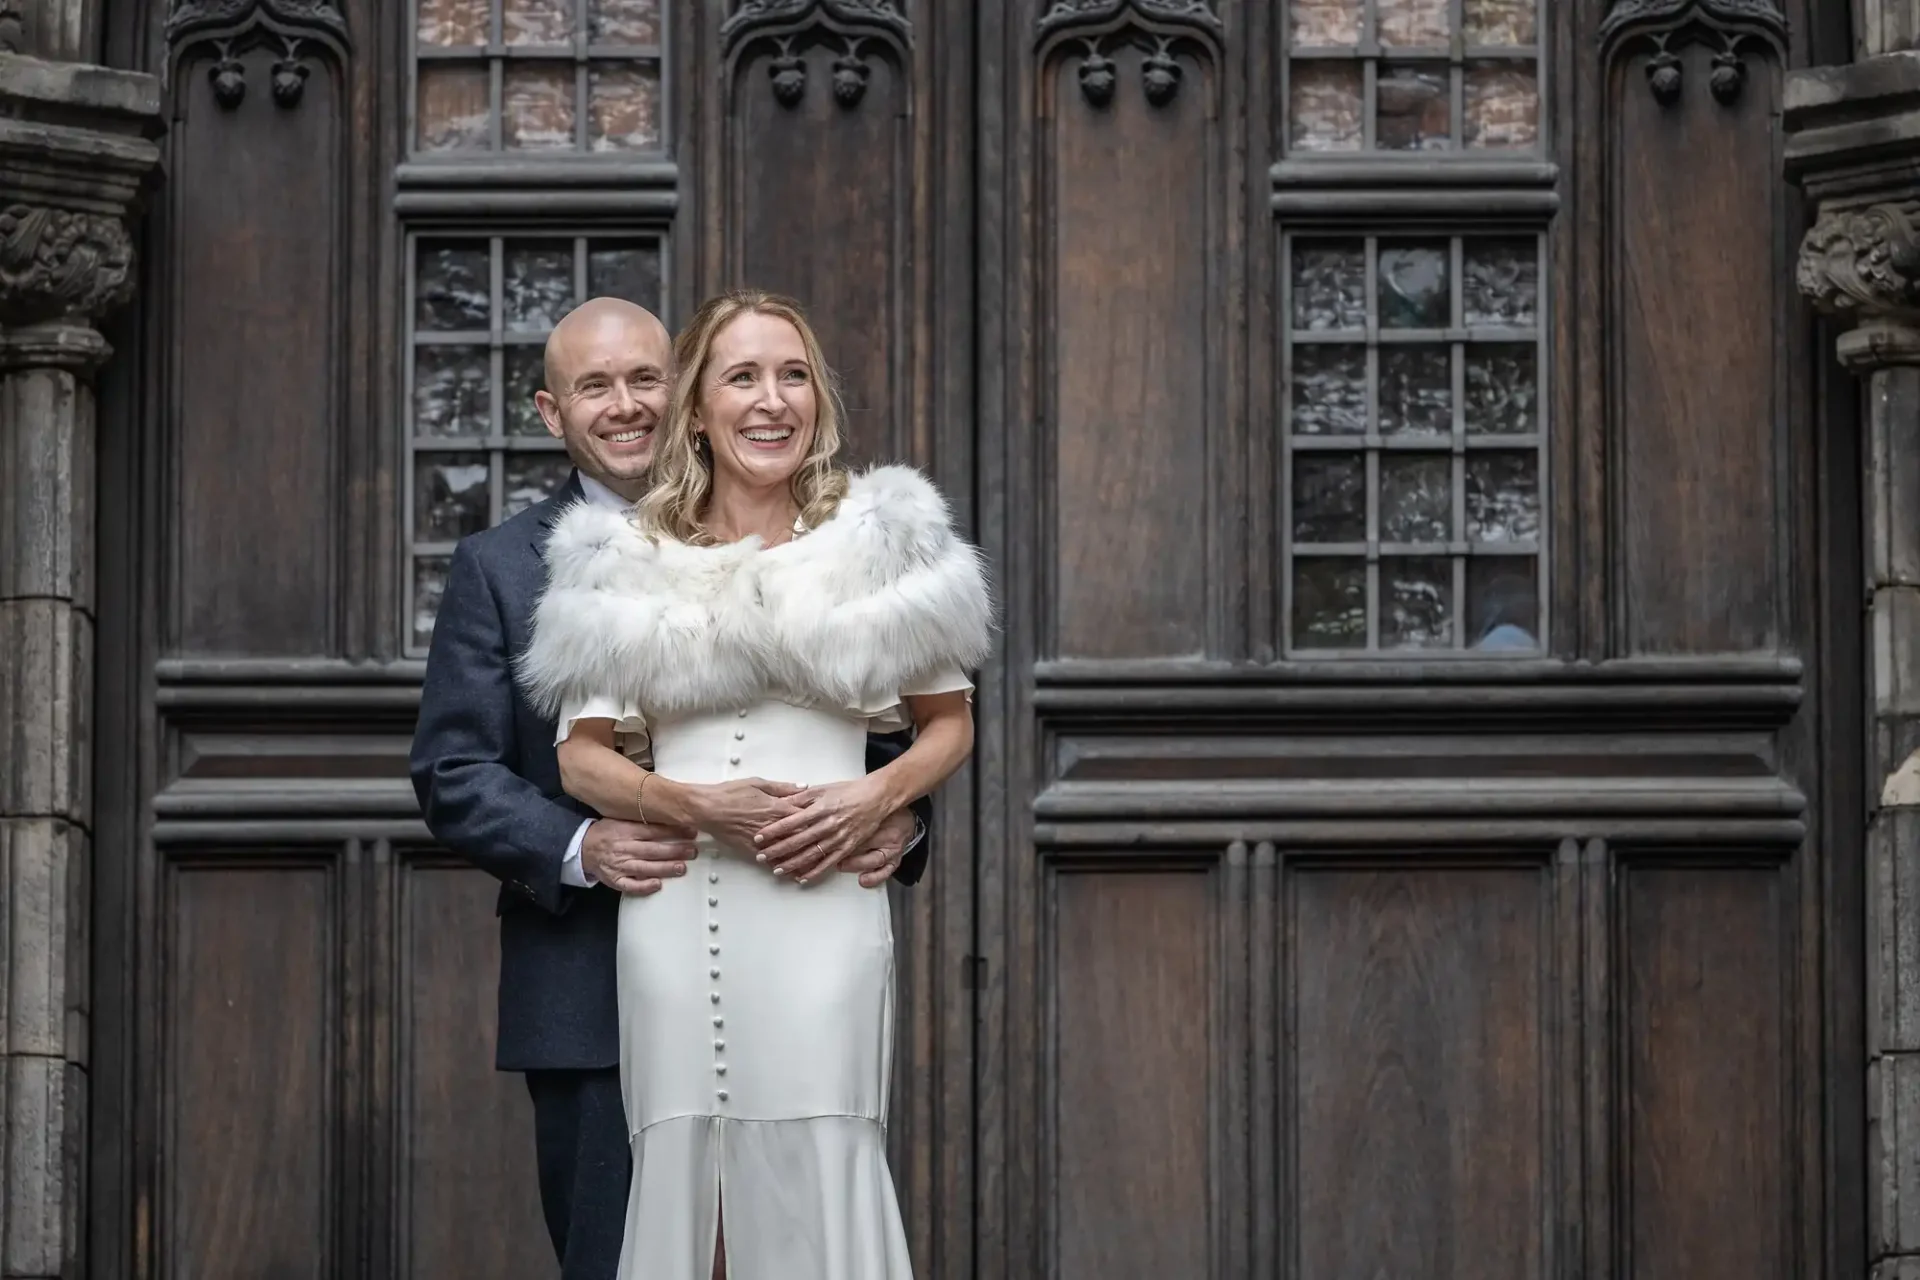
{"x":735,"y":812}
{"x":833,"y":822}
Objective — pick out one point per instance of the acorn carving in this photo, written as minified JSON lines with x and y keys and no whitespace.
{"x":289,"y":81}
{"x":229,"y":79}
{"x":789,"y":75}
{"x":1097,"y":78}
{"x":850,"y":80}
{"x":1663,"y":74}
{"x":1727,"y":78}
{"x":1162,"y":76}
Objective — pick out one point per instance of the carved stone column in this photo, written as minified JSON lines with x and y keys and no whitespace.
{"x":75,"y":152}
{"x":1885,"y":26}
{"x":1854,"y":144}
{"x":63,"y":30}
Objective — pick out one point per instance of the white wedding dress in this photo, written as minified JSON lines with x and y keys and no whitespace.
{"x":756,"y":1016}
{"x":756,"y":1026}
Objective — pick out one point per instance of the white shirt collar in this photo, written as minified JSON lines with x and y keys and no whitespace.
{"x":601,"y":496}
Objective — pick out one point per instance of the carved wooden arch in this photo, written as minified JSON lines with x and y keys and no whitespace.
{"x":231,"y":25}
{"x":1666,"y":25}
{"x":785,"y":22}
{"x":1157,"y":26}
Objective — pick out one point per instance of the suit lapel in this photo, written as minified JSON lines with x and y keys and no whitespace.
{"x":549,"y":512}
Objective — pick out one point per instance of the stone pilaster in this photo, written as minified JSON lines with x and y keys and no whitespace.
{"x":58,"y":30}
{"x":1854,"y":144}
{"x":75,"y":154}
{"x":1885,"y":26}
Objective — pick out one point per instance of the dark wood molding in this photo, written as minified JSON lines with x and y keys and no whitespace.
{"x":1408,"y":706}
{"x":321,"y":798}
{"x":1614,"y":672}
{"x":534,"y":174}
{"x":1422,"y":173}
{"x":1397,"y":837}
{"x":489,"y":205}
{"x":1422,"y":207}
{"x":1571,"y":799}
{"x":248,"y":836}
{"x":343,"y":671}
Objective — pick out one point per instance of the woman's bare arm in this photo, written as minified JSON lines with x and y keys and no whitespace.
{"x":594,"y":772}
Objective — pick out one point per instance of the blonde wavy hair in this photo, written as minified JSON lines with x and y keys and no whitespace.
{"x":682,"y":472}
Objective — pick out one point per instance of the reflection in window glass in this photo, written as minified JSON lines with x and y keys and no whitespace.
{"x":1413,"y":443}
{"x":529,"y":76}
{"x":478,"y":452}
{"x":1413,"y":75}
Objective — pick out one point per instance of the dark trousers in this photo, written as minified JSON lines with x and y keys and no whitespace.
{"x":580,"y":1139}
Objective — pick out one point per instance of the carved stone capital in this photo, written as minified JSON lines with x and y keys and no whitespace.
{"x":1853,"y":143}
{"x":1863,"y":261}
{"x":75,"y":156}
{"x":56,"y":263}
{"x":1862,"y":264}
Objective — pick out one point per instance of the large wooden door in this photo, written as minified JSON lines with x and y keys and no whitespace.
{"x":1414,"y":829}
{"x":1419,"y":821}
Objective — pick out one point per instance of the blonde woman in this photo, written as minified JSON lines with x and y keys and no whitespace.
{"x":716,"y":659}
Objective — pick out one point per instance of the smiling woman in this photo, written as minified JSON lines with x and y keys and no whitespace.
{"x":751,"y":370}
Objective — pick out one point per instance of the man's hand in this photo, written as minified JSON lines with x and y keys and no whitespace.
{"x":633,"y":857}
{"x":882,"y":858}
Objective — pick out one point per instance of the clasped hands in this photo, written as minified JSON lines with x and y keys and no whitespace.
{"x":798,"y":833}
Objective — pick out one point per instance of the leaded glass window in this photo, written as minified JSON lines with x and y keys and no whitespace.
{"x":547,"y":76}
{"x":1413,"y":75}
{"x":1414,"y":443}
{"x":480,"y":308}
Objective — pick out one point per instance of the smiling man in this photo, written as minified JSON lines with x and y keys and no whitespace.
{"x":488,"y":781}
{"x":607,"y":365}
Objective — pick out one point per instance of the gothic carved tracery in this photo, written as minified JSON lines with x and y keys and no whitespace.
{"x":1154,"y":25}
{"x":1665,"y":25}
{"x":1062,"y":13}
{"x":850,"y":25}
{"x":290,"y":25}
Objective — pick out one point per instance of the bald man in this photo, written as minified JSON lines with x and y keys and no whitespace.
{"x":488,"y":782}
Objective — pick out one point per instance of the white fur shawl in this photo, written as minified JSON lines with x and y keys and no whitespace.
{"x":881,"y":596}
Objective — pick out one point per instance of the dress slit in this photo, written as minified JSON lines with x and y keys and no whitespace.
{"x":719,"y":1234}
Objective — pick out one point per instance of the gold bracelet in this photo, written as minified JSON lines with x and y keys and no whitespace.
{"x":640,"y":798}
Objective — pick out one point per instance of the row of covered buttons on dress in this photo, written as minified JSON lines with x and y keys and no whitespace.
{"x":713,"y":951}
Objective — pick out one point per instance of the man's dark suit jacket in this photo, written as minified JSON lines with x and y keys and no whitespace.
{"x":488,"y":781}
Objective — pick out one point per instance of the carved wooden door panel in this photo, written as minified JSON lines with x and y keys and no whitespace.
{"x":1418,"y":818}
{"x":375,"y":213}
{"x":1413,"y":828}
